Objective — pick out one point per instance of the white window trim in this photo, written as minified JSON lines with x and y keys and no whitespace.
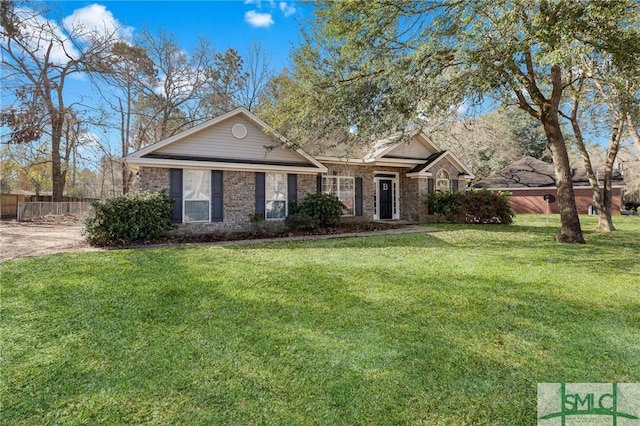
{"x":184,"y":199}
{"x":338,"y":177}
{"x":286,"y":197}
{"x":448,"y":180}
{"x":395,"y":184}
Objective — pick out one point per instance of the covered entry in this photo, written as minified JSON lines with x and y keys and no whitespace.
{"x":386,"y":196}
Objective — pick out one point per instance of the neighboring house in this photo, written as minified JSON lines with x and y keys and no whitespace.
{"x":227,"y":169}
{"x":529,"y":180}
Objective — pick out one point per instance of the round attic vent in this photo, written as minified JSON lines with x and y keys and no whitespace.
{"x":239,"y":131}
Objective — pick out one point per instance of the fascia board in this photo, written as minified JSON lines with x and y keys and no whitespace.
{"x":154,"y":162}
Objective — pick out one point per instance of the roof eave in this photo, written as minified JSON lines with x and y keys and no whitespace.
{"x":136,"y":163}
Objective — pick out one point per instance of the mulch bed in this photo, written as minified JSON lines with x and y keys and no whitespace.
{"x":343,"y":228}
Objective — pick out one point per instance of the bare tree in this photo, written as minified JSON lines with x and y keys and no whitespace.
{"x":38,"y":57}
{"x":259,"y":72}
{"x":130,"y":74}
{"x":174,"y":104}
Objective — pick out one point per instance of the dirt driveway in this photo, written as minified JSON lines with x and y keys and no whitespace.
{"x":26,"y":239}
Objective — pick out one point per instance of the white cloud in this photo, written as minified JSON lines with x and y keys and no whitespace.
{"x":258,"y":3}
{"x":258,"y":20}
{"x":96,"y":19}
{"x":38,"y":33}
{"x":287,"y":9}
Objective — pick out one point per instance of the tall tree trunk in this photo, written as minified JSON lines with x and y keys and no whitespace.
{"x":124,"y":148}
{"x":605,"y":220}
{"x":605,"y":224}
{"x":57,"y":174}
{"x":634,"y":132}
{"x":570,"y":231}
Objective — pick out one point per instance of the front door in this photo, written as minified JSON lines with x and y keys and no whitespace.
{"x":386,"y":199}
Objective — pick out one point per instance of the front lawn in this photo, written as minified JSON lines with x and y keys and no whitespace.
{"x":455,"y":327}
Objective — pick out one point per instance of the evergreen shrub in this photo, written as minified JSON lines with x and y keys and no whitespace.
{"x":315,"y":211}
{"x":135,"y":216}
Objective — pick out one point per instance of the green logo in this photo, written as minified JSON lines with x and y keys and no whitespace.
{"x":566,"y":404}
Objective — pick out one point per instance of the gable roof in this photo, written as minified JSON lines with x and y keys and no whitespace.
{"x":425,"y":169}
{"x":388,"y":151}
{"x":213,"y":144}
{"x":532,"y":173}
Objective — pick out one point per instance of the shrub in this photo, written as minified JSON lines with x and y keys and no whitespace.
{"x":135,"y":216}
{"x":486,"y":206}
{"x":445,"y":204}
{"x":316,"y":211}
{"x":260,"y":227}
{"x":481,"y":206}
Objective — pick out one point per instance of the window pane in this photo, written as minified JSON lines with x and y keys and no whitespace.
{"x":330,"y":185}
{"x":197,"y":184}
{"x":347,"y":193}
{"x":196,"y":211}
{"x":442,"y":185}
{"x":343,"y":188}
{"x":276,"y":186}
{"x":276,"y":209}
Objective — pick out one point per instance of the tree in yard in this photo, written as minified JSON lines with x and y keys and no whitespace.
{"x":30,"y":164}
{"x":39,"y":56}
{"x":385,"y":66}
{"x":235,"y":82}
{"x":602,"y":96}
{"x":259,"y":72}
{"x":9,"y":170}
{"x":182,"y":76}
{"x":226,"y":79}
{"x":492,"y":141}
{"x":131,"y":74}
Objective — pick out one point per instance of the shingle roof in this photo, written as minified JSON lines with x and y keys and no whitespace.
{"x":433,"y":157}
{"x":530,"y":172}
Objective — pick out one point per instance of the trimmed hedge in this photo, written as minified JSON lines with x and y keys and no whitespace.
{"x":482,"y":206}
{"x":135,"y":216}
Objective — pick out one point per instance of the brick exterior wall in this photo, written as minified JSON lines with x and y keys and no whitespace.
{"x":153,"y":179}
{"x":307,"y":184}
{"x":532,"y":201}
{"x":239,"y":198}
{"x":239,"y":193}
{"x":412,"y":190}
{"x":411,"y":194}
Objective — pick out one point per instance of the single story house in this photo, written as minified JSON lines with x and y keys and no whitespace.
{"x":531,"y":182}
{"x":225,"y":170}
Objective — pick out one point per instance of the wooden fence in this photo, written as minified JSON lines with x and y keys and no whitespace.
{"x":9,"y":202}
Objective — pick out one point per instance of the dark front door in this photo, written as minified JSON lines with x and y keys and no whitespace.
{"x":386,"y":199}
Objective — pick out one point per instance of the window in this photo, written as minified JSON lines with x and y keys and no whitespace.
{"x":275,"y":195}
{"x":342,"y":186}
{"x":197,"y":195}
{"x":443,"y":184}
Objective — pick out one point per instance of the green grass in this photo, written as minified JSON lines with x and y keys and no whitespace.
{"x":455,"y":327}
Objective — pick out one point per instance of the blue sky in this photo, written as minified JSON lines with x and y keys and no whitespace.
{"x":227,"y":24}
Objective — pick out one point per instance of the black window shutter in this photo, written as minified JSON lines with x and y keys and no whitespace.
{"x":292,"y":188}
{"x":454,"y":185}
{"x":430,"y":185}
{"x":260,"y":194}
{"x":175,"y":193}
{"x":319,"y":183}
{"x":217,"y":196}
{"x":359,"y":196}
